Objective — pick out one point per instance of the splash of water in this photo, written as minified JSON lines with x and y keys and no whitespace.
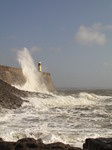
{"x":34,"y":81}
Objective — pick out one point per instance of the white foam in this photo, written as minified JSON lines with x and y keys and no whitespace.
{"x":55,"y":118}
{"x":58,"y":101}
{"x":34,"y":81}
{"x":50,"y":138}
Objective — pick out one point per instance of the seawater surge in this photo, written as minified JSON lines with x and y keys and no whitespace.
{"x":62,"y":117}
{"x":27,"y":77}
{"x":68,"y":116}
{"x":34,"y":80}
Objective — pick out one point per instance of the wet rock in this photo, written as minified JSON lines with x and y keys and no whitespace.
{"x":32,"y":144}
{"x":98,"y":144}
{"x":7,"y":145}
{"x":60,"y":146}
{"x":9,"y":96}
{"x":1,"y":139}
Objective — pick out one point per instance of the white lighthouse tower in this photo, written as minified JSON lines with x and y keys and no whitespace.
{"x":39,"y":67}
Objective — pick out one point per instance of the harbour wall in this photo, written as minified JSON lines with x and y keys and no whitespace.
{"x":14,"y":76}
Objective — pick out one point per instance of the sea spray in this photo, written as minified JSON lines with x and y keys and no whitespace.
{"x":69,"y":119}
{"x":34,"y":81}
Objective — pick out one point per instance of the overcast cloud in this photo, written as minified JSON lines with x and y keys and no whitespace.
{"x":91,"y":35}
{"x":36,"y":49}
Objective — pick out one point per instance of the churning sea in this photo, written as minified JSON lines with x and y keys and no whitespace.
{"x":68,"y":116}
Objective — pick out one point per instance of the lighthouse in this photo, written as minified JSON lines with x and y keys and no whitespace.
{"x":39,"y":66}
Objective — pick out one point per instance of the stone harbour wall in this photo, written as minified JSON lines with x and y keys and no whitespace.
{"x":13,"y":75}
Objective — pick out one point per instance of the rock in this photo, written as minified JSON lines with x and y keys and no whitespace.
{"x":60,"y":146}
{"x":1,"y":139}
{"x":7,"y":145}
{"x":98,"y":144}
{"x":32,"y":144}
{"x":39,"y":141}
{"x":9,"y":96}
{"x":26,"y":144}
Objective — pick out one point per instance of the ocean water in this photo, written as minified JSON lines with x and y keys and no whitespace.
{"x":68,"y":116}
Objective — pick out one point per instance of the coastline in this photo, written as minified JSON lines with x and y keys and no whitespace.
{"x":10,"y":98}
{"x":33,"y":144}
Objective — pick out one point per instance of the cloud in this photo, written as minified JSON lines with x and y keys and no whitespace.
{"x":90,"y":35}
{"x":32,"y":49}
{"x":15,"y":49}
{"x":100,"y":26}
{"x":36,"y":49}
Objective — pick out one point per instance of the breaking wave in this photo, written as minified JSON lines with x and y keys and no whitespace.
{"x":54,"y":117}
{"x":66,"y":117}
{"x":34,"y":80}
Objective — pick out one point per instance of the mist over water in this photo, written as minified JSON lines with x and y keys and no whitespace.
{"x":34,"y":81}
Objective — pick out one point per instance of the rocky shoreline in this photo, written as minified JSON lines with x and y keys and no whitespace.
{"x":33,"y":144}
{"x":10,"y":98}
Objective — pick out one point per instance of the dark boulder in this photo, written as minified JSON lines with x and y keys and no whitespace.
{"x":98,"y":144}
{"x":26,"y":144}
{"x":7,"y":145}
{"x":9,"y":96}
{"x":32,"y":144}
